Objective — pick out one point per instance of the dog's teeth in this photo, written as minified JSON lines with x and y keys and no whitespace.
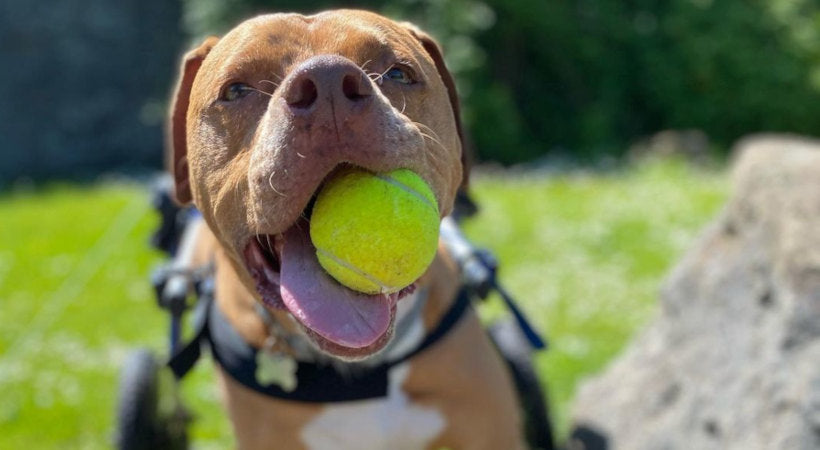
{"x":272,"y":276}
{"x":256,"y":255}
{"x":278,"y":242}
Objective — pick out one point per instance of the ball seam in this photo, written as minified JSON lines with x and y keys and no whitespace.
{"x":383,"y":286}
{"x":408,"y":189}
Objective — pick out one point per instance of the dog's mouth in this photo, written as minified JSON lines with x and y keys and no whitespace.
{"x":340,"y":321}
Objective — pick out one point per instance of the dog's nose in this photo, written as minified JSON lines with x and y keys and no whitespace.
{"x":327,"y":79}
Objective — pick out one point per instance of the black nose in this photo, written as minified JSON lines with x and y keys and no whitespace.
{"x":327,"y":79}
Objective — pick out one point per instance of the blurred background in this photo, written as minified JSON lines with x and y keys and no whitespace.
{"x":596,"y":109}
{"x":85,"y":84}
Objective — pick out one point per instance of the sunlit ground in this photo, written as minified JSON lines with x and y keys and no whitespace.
{"x":583,"y":252}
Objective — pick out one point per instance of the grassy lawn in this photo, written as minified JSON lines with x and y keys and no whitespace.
{"x":584,"y":254}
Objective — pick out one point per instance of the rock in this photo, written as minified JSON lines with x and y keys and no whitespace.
{"x":733,"y":359}
{"x":691,"y":145}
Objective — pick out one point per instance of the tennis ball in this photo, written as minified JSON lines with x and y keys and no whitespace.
{"x":375,"y":233}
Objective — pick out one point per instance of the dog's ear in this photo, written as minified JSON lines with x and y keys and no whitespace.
{"x":177,"y":141}
{"x":434,"y":50}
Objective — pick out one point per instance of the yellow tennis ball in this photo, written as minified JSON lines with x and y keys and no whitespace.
{"x":375,"y":233}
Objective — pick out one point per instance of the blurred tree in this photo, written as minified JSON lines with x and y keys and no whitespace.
{"x":594,"y":75}
{"x":587,"y":77}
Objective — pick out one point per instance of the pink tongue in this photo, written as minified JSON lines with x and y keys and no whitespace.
{"x":338,"y":314}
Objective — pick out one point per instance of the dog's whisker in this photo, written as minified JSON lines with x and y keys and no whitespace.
{"x":270,"y":183}
{"x":264,"y":219}
{"x":365,"y":65}
{"x":260,"y":220}
{"x":274,"y":84}
{"x":263,"y":222}
{"x":434,"y":140}
{"x":260,"y":91}
{"x":427,"y":132}
{"x":256,"y":217}
{"x":431,"y":132}
{"x":375,"y":77}
{"x":381,"y":75}
{"x":379,"y":79}
{"x":298,"y":223}
{"x":270,"y":246}
{"x":426,"y":128}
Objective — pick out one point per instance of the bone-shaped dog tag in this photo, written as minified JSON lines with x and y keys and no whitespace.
{"x":276,"y":368}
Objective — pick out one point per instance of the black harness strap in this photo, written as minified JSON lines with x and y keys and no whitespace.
{"x":183,"y":360}
{"x":316,"y":382}
{"x":448,"y":320}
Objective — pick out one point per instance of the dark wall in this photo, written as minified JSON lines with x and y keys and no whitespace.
{"x":83,"y":84}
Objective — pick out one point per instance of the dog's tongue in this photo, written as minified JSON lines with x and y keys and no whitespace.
{"x":338,"y":314}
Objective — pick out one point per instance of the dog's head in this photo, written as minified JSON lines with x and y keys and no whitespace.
{"x":263,"y":115}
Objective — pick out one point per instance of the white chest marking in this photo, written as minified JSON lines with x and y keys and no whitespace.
{"x":391,"y":423}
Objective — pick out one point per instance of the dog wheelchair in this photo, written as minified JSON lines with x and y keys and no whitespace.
{"x":151,"y":413}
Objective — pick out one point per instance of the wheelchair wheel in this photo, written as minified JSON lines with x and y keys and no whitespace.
{"x":517,"y":353}
{"x":144,"y":418}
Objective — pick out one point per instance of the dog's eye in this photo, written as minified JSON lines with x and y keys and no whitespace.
{"x":399,"y":75}
{"x":235,"y":91}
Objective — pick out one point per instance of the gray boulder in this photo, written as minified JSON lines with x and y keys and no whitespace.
{"x":733,"y":359}
{"x":692,"y":145}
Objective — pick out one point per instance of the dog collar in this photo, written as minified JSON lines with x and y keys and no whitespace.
{"x":276,"y":361}
{"x":315,"y":381}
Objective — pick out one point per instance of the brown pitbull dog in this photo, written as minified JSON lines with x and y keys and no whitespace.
{"x":261,"y":117}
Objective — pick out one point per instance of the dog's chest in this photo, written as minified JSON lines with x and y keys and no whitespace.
{"x":393,"y":422}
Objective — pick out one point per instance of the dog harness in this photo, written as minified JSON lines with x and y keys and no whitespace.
{"x":306,"y":377}
{"x":315,"y":381}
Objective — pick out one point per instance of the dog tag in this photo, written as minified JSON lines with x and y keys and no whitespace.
{"x":276,"y":368}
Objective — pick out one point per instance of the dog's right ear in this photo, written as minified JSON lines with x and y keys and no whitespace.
{"x":177,"y":141}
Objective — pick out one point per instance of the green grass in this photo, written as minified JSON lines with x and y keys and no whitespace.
{"x":584,"y":253}
{"x":75,"y":299}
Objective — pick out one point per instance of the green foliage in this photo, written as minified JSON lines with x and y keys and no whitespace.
{"x":604,"y":73}
{"x":589,"y":77}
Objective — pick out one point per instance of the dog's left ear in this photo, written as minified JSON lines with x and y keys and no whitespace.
{"x":433,"y":49}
